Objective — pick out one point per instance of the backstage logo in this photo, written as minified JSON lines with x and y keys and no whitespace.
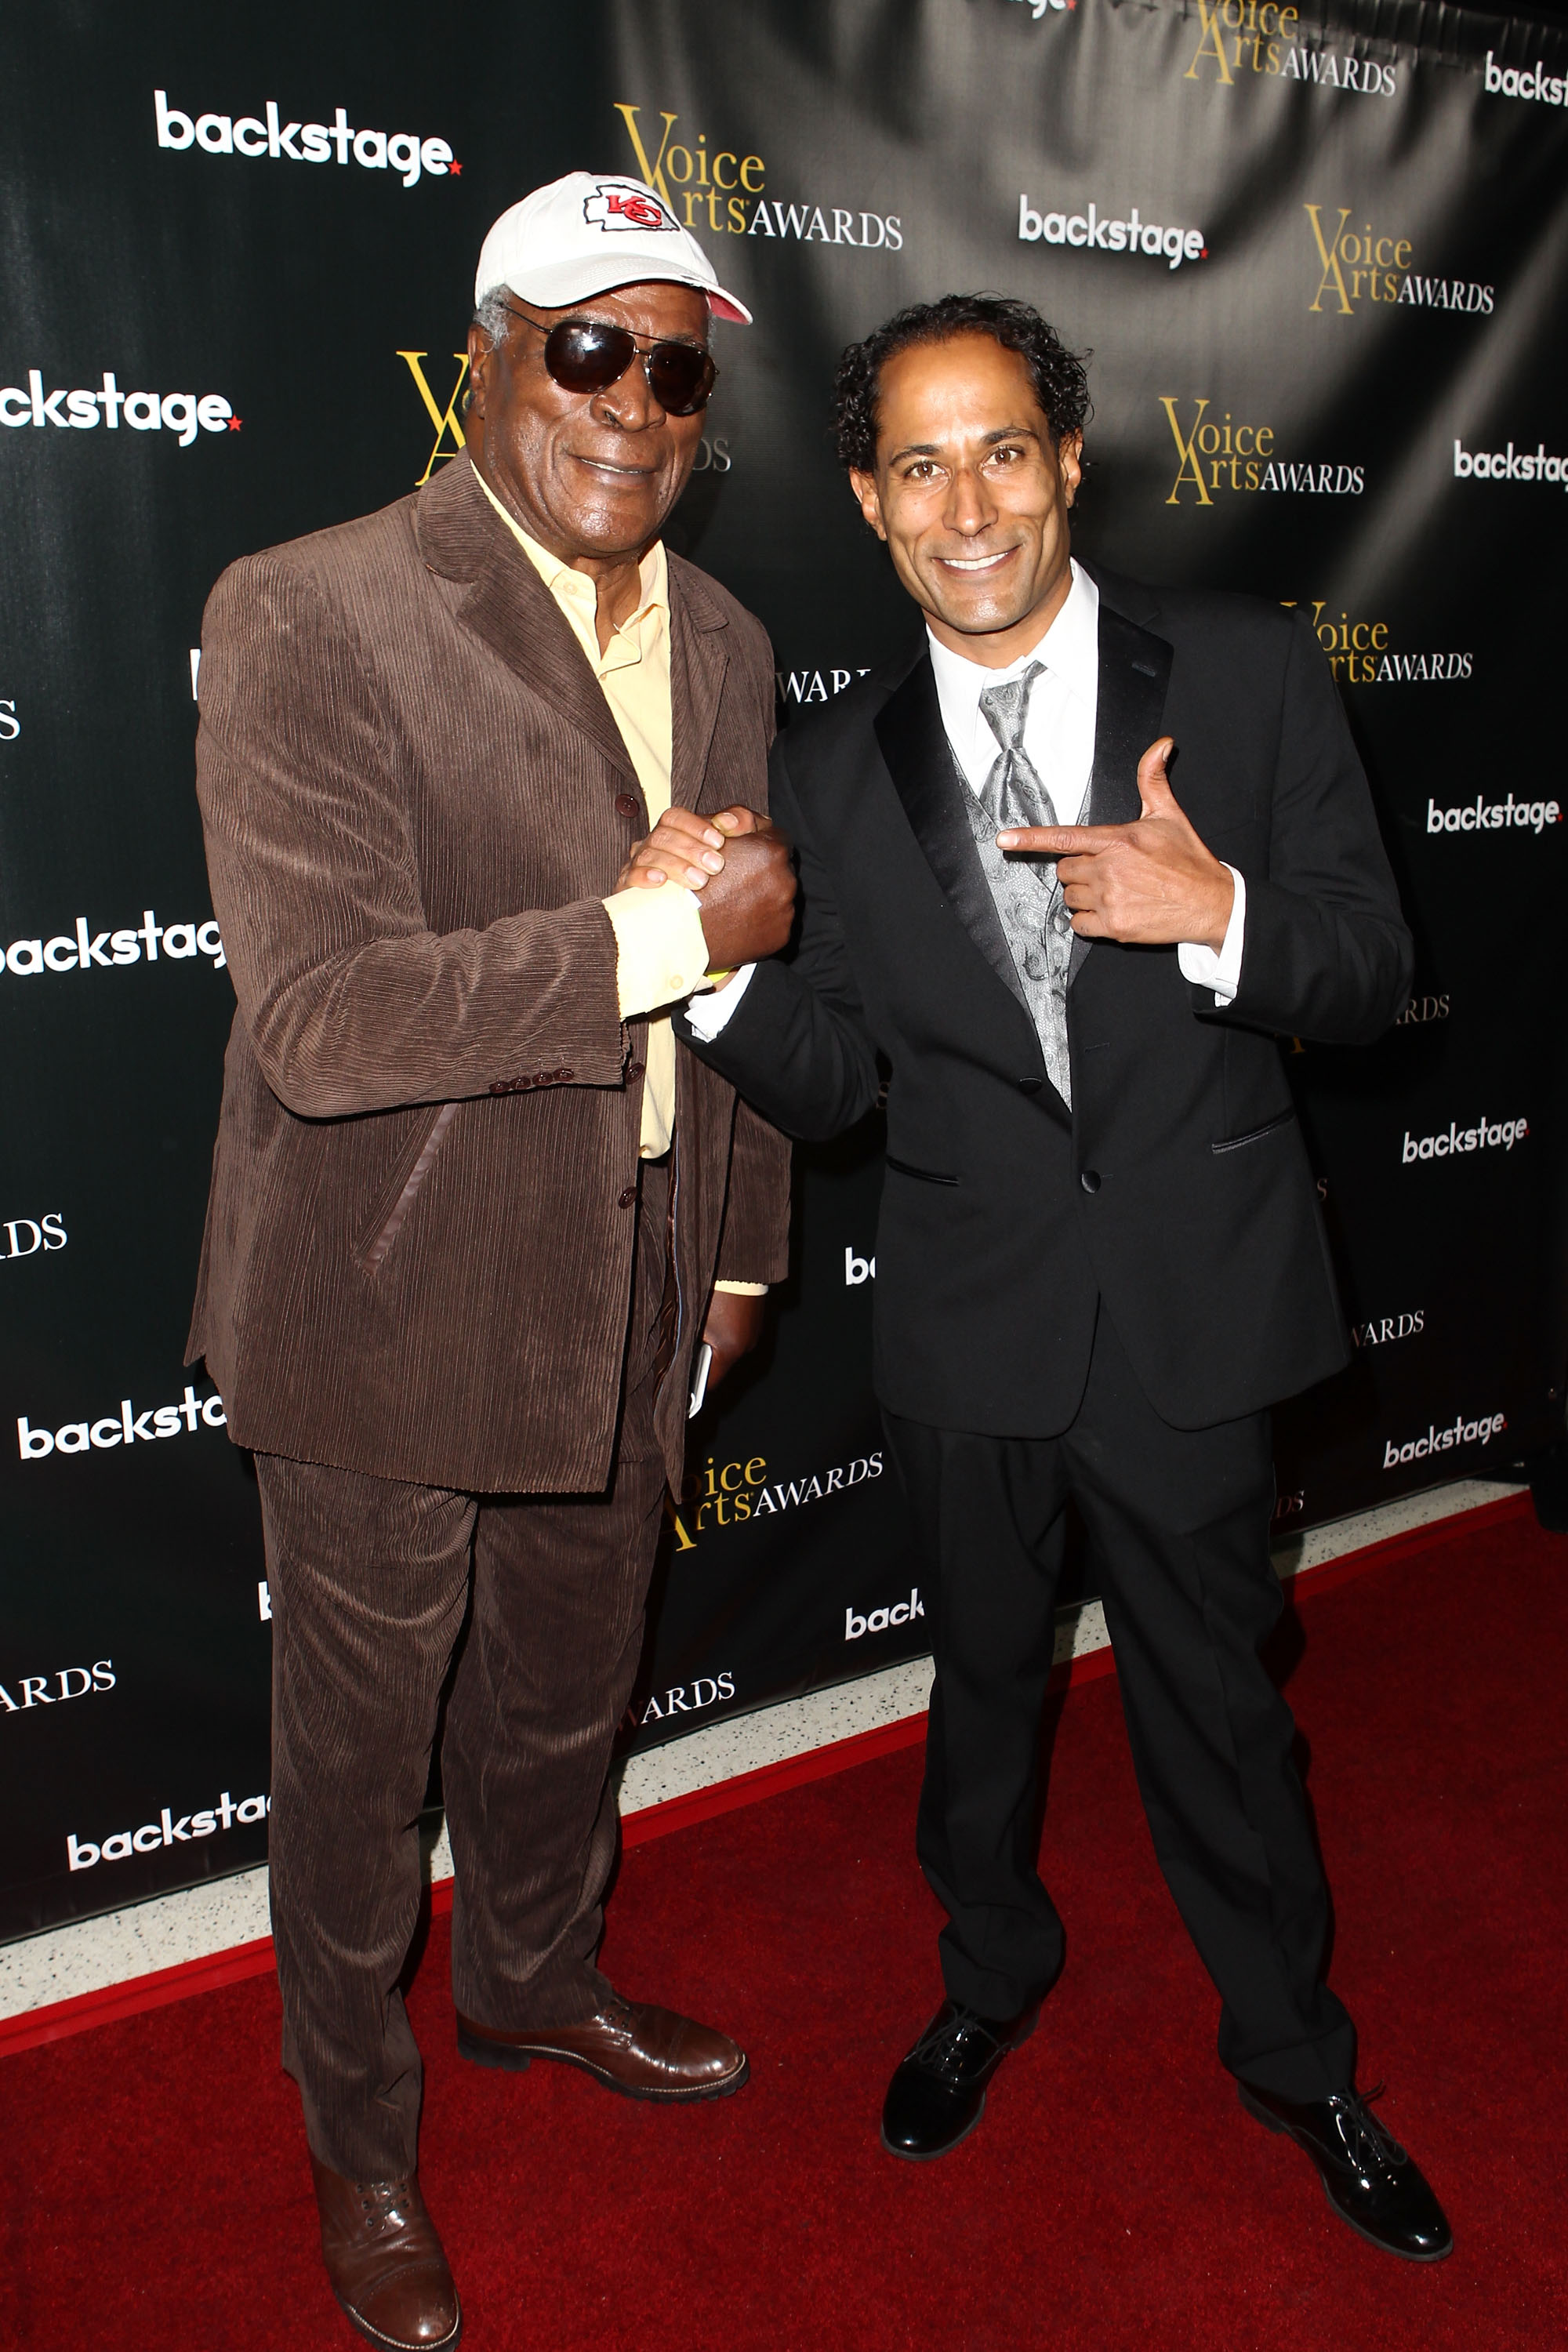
{"x":127,"y":1427}
{"x":183,"y":413}
{"x":178,"y":942}
{"x":1358,"y":653}
{"x":1238,"y":38}
{"x":1384,"y":1330}
{"x":1037,"y":8}
{"x":1498,"y":1135}
{"x":815,"y":684}
{"x":857,"y":1269}
{"x":705,"y":1691}
{"x":42,"y":1234}
{"x":734,"y":1492}
{"x":1459,"y":1432}
{"x":1214,"y":454}
{"x":1526,"y":81}
{"x":723,"y":191}
{"x":1493,"y":816}
{"x":713,"y":454}
{"x":1107,"y":233}
{"x":81,"y":1854}
{"x":1363,"y":265}
{"x":71,"y":1682}
{"x":1508,"y":465}
{"x":402,"y":152}
{"x":881,"y":1621}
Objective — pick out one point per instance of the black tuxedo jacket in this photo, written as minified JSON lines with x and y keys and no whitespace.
{"x":1178,"y":1189}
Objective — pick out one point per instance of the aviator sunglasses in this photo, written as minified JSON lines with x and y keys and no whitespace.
{"x":588,"y":355}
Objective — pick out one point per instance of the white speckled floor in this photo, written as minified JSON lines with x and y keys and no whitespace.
{"x":200,"y":1921}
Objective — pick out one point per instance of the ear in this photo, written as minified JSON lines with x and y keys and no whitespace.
{"x":1069,"y":457}
{"x":481,"y":356}
{"x":864,"y":490}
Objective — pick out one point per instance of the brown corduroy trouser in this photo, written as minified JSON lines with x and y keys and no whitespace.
{"x":370,"y":1583}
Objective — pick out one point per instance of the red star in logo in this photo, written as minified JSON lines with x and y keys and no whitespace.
{"x":1203,"y":253}
{"x":456,"y":169}
{"x":234,"y":423}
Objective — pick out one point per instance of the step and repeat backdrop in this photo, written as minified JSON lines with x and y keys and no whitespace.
{"x":1320,"y":256}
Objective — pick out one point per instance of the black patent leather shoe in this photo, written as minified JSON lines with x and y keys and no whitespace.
{"x":1371,"y":2181}
{"x":937,"y":2095}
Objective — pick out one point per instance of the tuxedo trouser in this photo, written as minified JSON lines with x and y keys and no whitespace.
{"x":373,"y":1581}
{"x":1178,"y":1527}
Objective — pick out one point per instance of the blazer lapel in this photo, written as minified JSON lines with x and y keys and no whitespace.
{"x":507,"y":604}
{"x":1134,"y":672}
{"x":914,"y":747}
{"x":698,"y":660}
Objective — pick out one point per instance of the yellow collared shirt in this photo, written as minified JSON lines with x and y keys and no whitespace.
{"x":661,"y":953}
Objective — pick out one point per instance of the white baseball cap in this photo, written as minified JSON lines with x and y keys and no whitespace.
{"x":586,"y":232}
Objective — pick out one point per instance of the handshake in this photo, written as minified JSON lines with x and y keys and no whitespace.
{"x":740,"y":862}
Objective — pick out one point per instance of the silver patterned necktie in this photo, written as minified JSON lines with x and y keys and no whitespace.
{"x":1014,"y":793}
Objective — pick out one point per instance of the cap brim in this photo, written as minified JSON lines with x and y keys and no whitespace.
{"x":561,"y":283}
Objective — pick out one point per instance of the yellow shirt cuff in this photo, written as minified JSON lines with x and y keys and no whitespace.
{"x":661,"y":954}
{"x":743,"y":1289}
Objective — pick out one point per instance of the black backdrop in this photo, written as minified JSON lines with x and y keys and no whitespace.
{"x":1334,"y":381}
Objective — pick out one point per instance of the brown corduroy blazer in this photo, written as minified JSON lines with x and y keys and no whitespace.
{"x":417,"y":1256}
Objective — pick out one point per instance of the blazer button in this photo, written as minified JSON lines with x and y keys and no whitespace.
{"x":1089,"y":1180}
{"x":626,"y":804}
{"x":636,"y":1070}
{"x":565,"y":1077}
{"x":499,"y":1086}
{"x":1030,"y":1086}
{"x":628,"y":1197}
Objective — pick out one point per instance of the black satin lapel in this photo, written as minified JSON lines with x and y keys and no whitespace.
{"x":914,"y":746}
{"x":1134,"y":672}
{"x":698,"y":660}
{"x":511,"y":609}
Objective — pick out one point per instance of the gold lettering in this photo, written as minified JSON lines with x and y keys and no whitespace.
{"x":753,"y":187}
{"x":1188,"y":470}
{"x":652,"y":173}
{"x":1329,"y":256}
{"x":1209,"y":44}
{"x":718,"y":162}
{"x":448,"y":420}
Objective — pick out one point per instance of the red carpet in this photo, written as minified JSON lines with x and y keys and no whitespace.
{"x":156,"y":2193}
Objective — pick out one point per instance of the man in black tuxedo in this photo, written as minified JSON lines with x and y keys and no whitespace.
{"x":1101,"y":1257}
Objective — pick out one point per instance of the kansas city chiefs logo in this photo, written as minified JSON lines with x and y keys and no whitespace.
{"x":614,"y":206}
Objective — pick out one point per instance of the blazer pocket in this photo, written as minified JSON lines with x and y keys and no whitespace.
{"x":402,"y":1189}
{"x":1254,"y":1134}
{"x":925,"y":1175}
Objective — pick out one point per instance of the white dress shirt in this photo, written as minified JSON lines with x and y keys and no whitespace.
{"x":1058,"y":737}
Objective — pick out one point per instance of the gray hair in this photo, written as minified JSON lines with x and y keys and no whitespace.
{"x":491,"y":314}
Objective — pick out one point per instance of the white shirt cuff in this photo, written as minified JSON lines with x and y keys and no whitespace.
{"x":710,"y":1014}
{"x":661,"y":954}
{"x":743,"y":1289}
{"x":1221,"y":973}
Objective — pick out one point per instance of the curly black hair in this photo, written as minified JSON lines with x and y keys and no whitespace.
{"x":1061,"y":384}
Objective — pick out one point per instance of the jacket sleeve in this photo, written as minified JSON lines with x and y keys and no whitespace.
{"x":352,"y":1003}
{"x":1327,"y":953}
{"x":754,"y":1243}
{"x":798,"y":1048}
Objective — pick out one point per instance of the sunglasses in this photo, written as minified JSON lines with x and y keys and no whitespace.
{"x":586,"y":355}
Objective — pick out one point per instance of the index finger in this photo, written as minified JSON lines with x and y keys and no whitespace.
{"x":1062,"y":840}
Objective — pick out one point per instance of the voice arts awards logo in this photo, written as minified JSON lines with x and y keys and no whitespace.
{"x":723,"y":191}
{"x":1384,"y":1330}
{"x":1358,"y":265}
{"x":75,"y":1681}
{"x":1215,"y":456}
{"x":44,"y":1234}
{"x":183,"y":413}
{"x":1359,"y":653}
{"x":1237,"y":37}
{"x":403,"y":152}
{"x":1109,"y":234}
{"x":815,"y":684}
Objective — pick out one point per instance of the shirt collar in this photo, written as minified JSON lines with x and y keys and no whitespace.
{"x":1069,"y":649}
{"x":570,"y":586}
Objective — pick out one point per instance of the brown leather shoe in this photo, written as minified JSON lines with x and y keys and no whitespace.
{"x":630,"y":2046}
{"x":385,"y":2261}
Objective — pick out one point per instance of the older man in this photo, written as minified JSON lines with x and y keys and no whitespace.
{"x":471,"y":1209}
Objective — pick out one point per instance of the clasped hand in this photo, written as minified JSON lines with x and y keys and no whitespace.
{"x":740,"y":862}
{"x":1151,"y":884}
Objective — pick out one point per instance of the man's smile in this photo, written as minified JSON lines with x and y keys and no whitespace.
{"x":975,"y":563}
